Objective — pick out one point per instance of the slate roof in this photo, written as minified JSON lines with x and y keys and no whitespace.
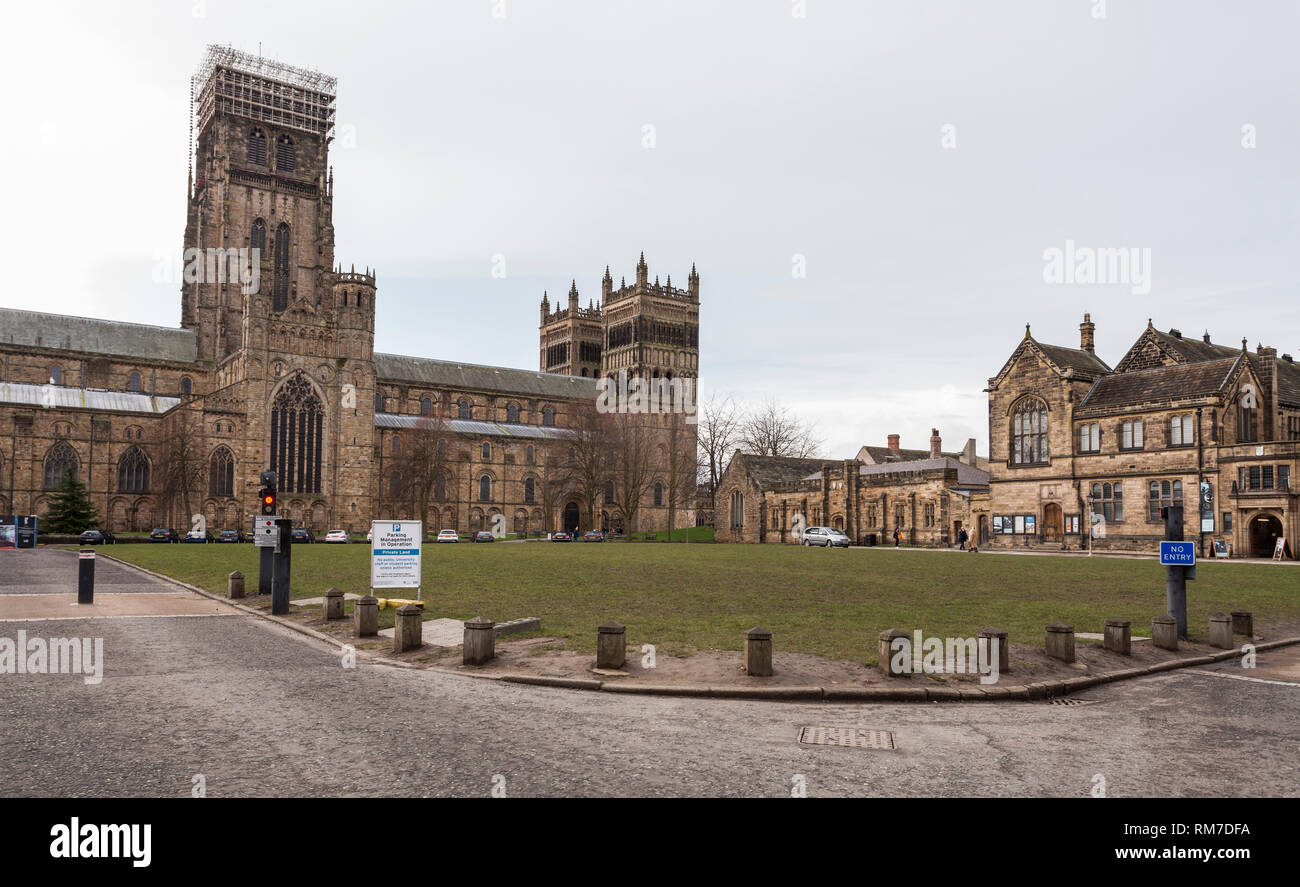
{"x":90,"y":335}
{"x":1185,"y":380}
{"x":1074,"y":359}
{"x":1194,"y":350}
{"x":967,"y":475}
{"x":881,"y":455}
{"x":1288,"y":383}
{"x":63,"y":397}
{"x":452,"y":374}
{"x":769,"y":470}
{"x":477,"y":428}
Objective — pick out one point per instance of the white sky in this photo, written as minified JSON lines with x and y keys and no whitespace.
{"x":775,"y":136}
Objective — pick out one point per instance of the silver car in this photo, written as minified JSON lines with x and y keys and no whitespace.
{"x":827,"y":537}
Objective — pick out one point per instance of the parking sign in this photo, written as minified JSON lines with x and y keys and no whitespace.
{"x":395,"y":553}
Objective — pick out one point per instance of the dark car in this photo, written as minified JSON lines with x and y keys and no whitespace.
{"x":484,"y":536}
{"x":97,"y":537}
{"x":593,"y":536}
{"x":164,"y":534}
{"x":230,"y":536}
{"x":202,"y":536}
{"x":561,"y":537}
{"x":302,"y":535}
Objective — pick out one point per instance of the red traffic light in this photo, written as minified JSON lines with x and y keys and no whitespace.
{"x":268,"y":501}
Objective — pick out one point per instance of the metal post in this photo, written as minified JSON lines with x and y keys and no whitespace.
{"x":265,"y":569}
{"x":280,"y":584}
{"x":1176,"y":576}
{"x":85,"y":576}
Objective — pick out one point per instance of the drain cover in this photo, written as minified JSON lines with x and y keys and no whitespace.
{"x":846,"y":737}
{"x":1068,"y":700}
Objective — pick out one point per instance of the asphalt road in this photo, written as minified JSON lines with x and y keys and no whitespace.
{"x":258,"y":710}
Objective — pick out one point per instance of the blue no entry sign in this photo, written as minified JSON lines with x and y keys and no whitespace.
{"x":1178,"y":554}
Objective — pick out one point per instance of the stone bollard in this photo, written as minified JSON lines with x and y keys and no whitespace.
{"x":1164,"y":632}
{"x":1243,"y":623}
{"x":885,"y":653}
{"x":611,"y":645}
{"x":1060,"y":641}
{"x":333,"y":604}
{"x":408,"y":628}
{"x":1118,"y":637}
{"x":1221,"y":631}
{"x":366,"y":614}
{"x":480,"y":641}
{"x":235,"y":585}
{"x":758,"y":652}
{"x":1004,"y":650}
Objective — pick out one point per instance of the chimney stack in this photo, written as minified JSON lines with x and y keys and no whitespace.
{"x":1087,"y":331}
{"x":936,"y":444}
{"x":893,"y":444}
{"x":1206,"y":337}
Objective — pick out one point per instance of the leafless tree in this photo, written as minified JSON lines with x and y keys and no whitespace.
{"x":635,"y":443}
{"x":772,"y":430}
{"x":555,"y":478}
{"x":596,"y":436}
{"x":422,"y":461}
{"x":181,"y":466}
{"x":719,"y":427}
{"x":681,"y":468}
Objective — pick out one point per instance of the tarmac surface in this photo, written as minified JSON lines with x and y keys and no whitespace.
{"x":256,"y":709}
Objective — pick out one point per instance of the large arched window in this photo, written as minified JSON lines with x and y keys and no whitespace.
{"x":440,"y":488}
{"x":462,"y":409}
{"x":737,"y":509}
{"x":285,"y":155}
{"x":133,"y":382}
{"x":257,"y":238}
{"x":133,"y":472}
{"x":221,"y":472}
{"x":297,"y":417}
{"x":187,"y":387}
{"x":487,"y":451}
{"x":548,"y":416}
{"x":60,"y":460}
{"x":609,"y":492}
{"x":1029,"y":432}
{"x":426,"y":406}
{"x":485,"y":489}
{"x":280,"y":285}
{"x":659,"y":494}
{"x":257,"y":147}
{"x":512,"y":413}
{"x":529,"y":491}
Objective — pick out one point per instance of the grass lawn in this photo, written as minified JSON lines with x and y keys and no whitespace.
{"x":827,"y":602}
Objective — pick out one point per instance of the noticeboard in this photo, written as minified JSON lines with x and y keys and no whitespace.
{"x":395,"y":553}
{"x":264,"y":530}
{"x":1221,"y":548}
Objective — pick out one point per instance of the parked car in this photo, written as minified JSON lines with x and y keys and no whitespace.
{"x":484,"y":536}
{"x":97,"y":537}
{"x":337,"y":536}
{"x":230,"y":536}
{"x":827,"y":537}
{"x":593,"y":536}
{"x":163,"y":534}
{"x":561,"y":537}
{"x":369,"y":535}
{"x":200,"y":536}
{"x":448,"y":536}
{"x":302,"y":535}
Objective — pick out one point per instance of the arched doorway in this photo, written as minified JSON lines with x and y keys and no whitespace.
{"x":1053,"y":523}
{"x":571,"y":517}
{"x":984,"y":529}
{"x":1264,"y":532}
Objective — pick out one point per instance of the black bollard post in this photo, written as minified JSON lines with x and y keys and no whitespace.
{"x":85,"y":576}
{"x":1175,"y":575}
{"x":280,"y":587}
{"x":265,"y":569}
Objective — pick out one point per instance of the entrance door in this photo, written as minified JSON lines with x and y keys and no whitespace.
{"x":984,"y":529}
{"x":571,"y":517}
{"x":1264,"y":531}
{"x":1053,"y":523}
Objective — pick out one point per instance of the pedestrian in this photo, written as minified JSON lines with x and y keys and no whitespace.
{"x":898,"y":536}
{"x":962,"y":536}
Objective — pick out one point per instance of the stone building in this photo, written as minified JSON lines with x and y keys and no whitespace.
{"x":1178,"y":420}
{"x":927,"y":495}
{"x":274,"y":364}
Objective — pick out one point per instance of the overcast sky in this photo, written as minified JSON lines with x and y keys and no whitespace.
{"x":921,"y":157}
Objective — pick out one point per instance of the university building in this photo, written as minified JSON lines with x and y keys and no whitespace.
{"x":274,"y":366}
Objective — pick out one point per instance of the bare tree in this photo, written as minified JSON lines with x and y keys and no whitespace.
{"x":682,"y":468}
{"x":181,"y":467}
{"x":719,"y":428}
{"x":555,"y":478}
{"x":594,"y":444}
{"x":421,"y":463}
{"x":635,"y":440}
{"x":772,"y":430}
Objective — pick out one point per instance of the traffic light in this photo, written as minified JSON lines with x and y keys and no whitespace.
{"x":267,"y":497}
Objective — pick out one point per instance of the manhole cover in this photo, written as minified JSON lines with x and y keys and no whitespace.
{"x":846,"y":737}
{"x":1068,"y":700}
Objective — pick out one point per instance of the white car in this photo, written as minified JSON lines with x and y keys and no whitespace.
{"x":448,"y":536}
{"x":336,"y":536}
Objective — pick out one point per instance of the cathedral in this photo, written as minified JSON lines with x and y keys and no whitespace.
{"x":274,"y":367}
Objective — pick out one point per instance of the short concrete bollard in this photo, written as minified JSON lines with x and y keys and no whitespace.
{"x":1164,"y":632}
{"x":480,"y":641}
{"x":611,"y":645}
{"x":998,"y":635}
{"x":1221,"y":631}
{"x":1118,"y":636}
{"x":408,"y":628}
{"x":758,"y":652}
{"x":1243,"y":623}
{"x":366,"y":614}
{"x":333,"y":604}
{"x":235,"y":585}
{"x":1060,"y":641}
{"x":885,"y":653}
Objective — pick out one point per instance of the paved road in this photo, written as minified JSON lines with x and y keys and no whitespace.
{"x":258,"y":710}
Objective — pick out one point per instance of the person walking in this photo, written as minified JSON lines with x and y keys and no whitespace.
{"x":962,"y":536}
{"x":898,"y":536}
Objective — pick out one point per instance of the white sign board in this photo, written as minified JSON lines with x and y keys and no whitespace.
{"x":395,"y":553}
{"x":265,"y":532}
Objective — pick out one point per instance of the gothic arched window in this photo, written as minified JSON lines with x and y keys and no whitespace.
{"x":60,"y":460}
{"x":221,"y":472}
{"x":548,"y":416}
{"x":379,"y":402}
{"x":257,"y":147}
{"x":609,"y":492}
{"x":426,"y":406}
{"x":659,"y":494}
{"x":297,"y":419}
{"x":285,"y":156}
{"x":1029,"y":432}
{"x":133,"y":382}
{"x":186,"y":385}
{"x":531,"y":454}
{"x":257,"y":238}
{"x":485,"y":489}
{"x":512,"y":413}
{"x":462,"y":409}
{"x":487,"y":452}
{"x":530,"y":491}
{"x":133,"y":472}
{"x":439,"y":488}
{"x":280,"y":285}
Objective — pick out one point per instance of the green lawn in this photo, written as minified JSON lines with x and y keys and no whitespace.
{"x":828,"y":602}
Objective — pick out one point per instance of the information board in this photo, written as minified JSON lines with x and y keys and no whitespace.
{"x":395,"y":553}
{"x":264,"y":531}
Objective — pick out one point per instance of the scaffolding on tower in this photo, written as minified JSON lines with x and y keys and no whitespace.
{"x":230,"y":81}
